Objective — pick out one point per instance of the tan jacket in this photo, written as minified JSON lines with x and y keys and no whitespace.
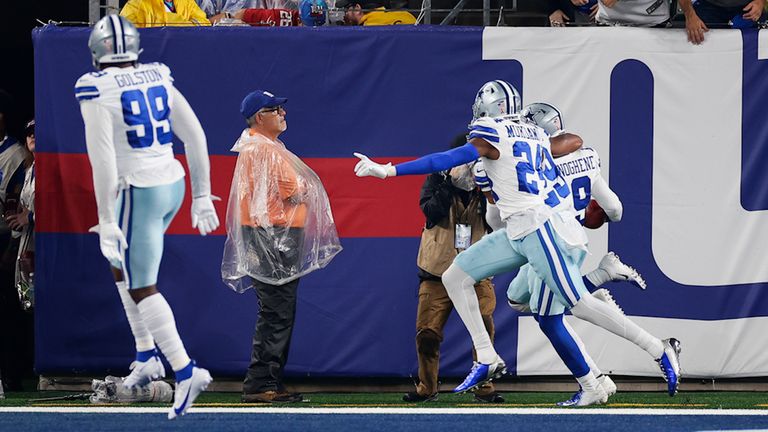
{"x":437,"y":251}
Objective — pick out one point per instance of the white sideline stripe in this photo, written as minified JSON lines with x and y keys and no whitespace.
{"x":399,"y":411}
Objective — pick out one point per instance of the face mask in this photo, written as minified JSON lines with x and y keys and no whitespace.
{"x":462,"y":178}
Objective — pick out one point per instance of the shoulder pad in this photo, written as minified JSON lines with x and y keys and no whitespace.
{"x":86,"y":87}
{"x":484,"y":128}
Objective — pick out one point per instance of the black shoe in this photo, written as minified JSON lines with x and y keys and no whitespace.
{"x":272,"y":396}
{"x":494,"y":398}
{"x":415,"y":397}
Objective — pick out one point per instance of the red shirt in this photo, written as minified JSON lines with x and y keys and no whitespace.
{"x":271,"y":17}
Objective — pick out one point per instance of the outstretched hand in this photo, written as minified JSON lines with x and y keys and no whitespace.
{"x":368,"y":168}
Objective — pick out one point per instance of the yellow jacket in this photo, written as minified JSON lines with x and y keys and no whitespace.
{"x":152,"y":13}
{"x":381,"y":16}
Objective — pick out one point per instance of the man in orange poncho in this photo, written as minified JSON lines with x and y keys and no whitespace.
{"x":279,"y":228}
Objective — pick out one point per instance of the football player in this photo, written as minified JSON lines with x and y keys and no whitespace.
{"x":581,"y":171}
{"x":518,"y":159}
{"x":128,"y":109}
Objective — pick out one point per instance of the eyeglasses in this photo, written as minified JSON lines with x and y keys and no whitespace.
{"x":29,"y":131}
{"x":275,"y":109}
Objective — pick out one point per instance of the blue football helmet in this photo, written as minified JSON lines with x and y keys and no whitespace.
{"x":114,"y":40}
{"x":495,"y":99}
{"x":545,"y":116}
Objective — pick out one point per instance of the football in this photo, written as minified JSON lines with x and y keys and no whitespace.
{"x":594,"y":216}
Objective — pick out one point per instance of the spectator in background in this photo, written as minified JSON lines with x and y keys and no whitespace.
{"x":15,"y":325}
{"x":158,"y":13}
{"x":738,"y":13}
{"x":311,"y":13}
{"x":262,"y":17}
{"x":23,"y":223}
{"x":639,"y":13}
{"x":455,"y":213}
{"x":579,"y":12}
{"x":372,"y":13}
{"x":218,"y":9}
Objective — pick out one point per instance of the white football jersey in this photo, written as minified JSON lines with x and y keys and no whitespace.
{"x":523,"y":174}
{"x":138,"y":100}
{"x":581,"y":171}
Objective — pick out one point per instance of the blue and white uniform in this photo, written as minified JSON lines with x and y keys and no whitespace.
{"x":579,"y":170}
{"x":128,"y":113}
{"x":527,"y":190}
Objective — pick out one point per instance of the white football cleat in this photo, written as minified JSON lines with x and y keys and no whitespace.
{"x":592,"y":397}
{"x":188,"y":390}
{"x":605,"y":296}
{"x":142,"y":373}
{"x":609,"y":387}
{"x":618,"y":271}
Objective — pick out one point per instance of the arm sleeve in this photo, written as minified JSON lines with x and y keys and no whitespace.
{"x":436,"y":162}
{"x":187,"y":127}
{"x":435,"y":198}
{"x":607,"y":199}
{"x":101,"y":153}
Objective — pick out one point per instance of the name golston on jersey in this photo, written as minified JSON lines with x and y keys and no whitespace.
{"x":524,"y":175}
{"x":138,"y":101}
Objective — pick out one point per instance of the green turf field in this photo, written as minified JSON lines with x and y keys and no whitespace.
{"x":694,"y":400}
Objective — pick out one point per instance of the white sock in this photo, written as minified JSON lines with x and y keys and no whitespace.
{"x":591,"y":363}
{"x":598,"y":277}
{"x":158,"y":317}
{"x":600,"y":314}
{"x":141,"y":335}
{"x":461,"y":289}
{"x":588,"y":382}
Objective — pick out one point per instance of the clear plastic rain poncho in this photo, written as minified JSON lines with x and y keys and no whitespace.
{"x":279,"y":221}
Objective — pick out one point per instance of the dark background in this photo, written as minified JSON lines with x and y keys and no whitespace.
{"x":17,"y":19}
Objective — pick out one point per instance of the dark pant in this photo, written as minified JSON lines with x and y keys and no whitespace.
{"x":434,"y":308}
{"x":280,"y":253}
{"x":272,"y":337}
{"x":713,"y":14}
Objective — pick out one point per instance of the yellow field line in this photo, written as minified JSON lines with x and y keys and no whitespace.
{"x":241,"y":405}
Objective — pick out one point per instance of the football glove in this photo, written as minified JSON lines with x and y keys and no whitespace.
{"x":111,"y":241}
{"x":368,"y":168}
{"x":204,"y":216}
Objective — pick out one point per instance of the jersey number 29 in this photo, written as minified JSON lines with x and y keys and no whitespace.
{"x":138,"y":112}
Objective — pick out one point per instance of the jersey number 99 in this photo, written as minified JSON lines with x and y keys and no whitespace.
{"x":138,"y":112}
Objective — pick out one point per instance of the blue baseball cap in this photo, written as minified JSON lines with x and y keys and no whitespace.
{"x":257,"y":100}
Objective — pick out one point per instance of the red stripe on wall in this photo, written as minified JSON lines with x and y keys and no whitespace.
{"x":362,"y":207}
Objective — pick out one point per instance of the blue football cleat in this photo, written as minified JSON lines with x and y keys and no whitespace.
{"x":572,"y":401}
{"x":583,"y":397}
{"x":481,"y":374}
{"x":669,"y":363}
